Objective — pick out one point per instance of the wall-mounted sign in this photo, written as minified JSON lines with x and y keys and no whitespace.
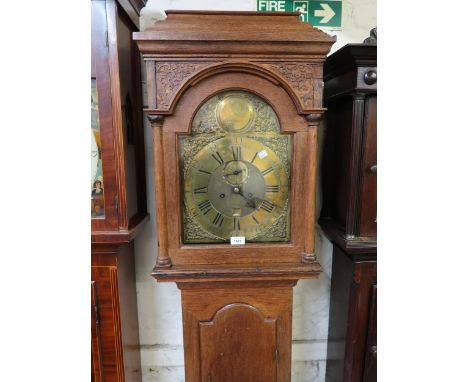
{"x":323,"y":14}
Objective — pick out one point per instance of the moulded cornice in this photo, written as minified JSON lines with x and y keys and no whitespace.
{"x":188,"y":32}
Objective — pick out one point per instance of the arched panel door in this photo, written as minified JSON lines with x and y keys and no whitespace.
{"x":239,"y":344}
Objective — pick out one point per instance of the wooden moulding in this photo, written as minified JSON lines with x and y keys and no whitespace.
{"x":349,"y":57}
{"x":122,"y":236}
{"x":358,"y":248}
{"x":223,"y":273}
{"x":234,"y":33}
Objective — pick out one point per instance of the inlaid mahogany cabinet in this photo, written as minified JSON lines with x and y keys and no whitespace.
{"x":349,"y":213}
{"x":118,"y":198}
{"x":234,"y":103}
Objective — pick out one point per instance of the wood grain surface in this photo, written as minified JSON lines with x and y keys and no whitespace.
{"x":249,"y":323}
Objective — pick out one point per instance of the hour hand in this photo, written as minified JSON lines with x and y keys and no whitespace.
{"x":233,"y":173}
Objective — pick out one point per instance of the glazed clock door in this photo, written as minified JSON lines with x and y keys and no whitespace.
{"x":236,"y":172}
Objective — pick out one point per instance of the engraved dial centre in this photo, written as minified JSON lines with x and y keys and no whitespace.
{"x":236,"y":189}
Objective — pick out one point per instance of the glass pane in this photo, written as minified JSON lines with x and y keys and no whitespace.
{"x":97,"y":183}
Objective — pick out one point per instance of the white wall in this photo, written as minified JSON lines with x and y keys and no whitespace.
{"x":159,"y":309}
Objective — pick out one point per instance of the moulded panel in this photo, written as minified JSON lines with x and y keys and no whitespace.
{"x":238,"y":345}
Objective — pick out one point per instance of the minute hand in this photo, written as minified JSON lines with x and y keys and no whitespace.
{"x":251,"y":202}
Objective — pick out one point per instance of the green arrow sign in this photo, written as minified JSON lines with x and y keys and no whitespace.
{"x":323,"y":14}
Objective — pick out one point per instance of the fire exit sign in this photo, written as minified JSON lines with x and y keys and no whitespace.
{"x":322,"y":14}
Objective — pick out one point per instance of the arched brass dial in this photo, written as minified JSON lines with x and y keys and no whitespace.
{"x":235,"y":169}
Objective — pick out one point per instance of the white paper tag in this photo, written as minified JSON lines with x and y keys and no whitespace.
{"x":262,"y":154}
{"x":237,"y":240}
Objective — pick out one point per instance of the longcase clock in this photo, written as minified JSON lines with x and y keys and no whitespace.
{"x":234,"y":103}
{"x":349,"y":213}
{"x":118,"y":197}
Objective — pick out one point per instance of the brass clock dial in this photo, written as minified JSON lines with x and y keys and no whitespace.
{"x":235,"y":178}
{"x":238,"y":187}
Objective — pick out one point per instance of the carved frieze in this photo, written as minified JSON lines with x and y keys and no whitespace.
{"x":305,"y":80}
{"x":170,"y":77}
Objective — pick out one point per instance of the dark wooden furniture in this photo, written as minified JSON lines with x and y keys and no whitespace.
{"x":119,"y":211}
{"x":236,"y":300}
{"x":349,"y":213}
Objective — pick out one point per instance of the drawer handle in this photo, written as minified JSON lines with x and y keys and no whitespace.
{"x":370,"y":77}
{"x":373,"y":169}
{"x":373,"y":351}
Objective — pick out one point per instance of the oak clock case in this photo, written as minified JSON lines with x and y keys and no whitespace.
{"x":117,"y":189}
{"x":234,"y":104}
